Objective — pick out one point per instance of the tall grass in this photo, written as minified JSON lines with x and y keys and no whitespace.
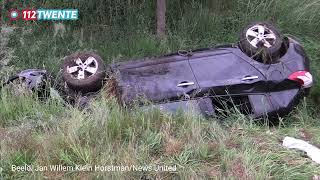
{"x":106,"y":134}
{"x":48,"y":132}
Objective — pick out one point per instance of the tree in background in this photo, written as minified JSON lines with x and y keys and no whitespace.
{"x":161,"y":18}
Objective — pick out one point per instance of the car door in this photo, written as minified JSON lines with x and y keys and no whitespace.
{"x":157,"y":79}
{"x":221,"y":72}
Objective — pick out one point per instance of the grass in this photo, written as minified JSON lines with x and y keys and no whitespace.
{"x":43,"y":133}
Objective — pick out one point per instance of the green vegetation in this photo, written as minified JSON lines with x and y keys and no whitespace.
{"x":44,"y":133}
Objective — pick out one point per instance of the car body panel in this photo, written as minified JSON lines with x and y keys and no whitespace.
{"x":275,"y":103}
{"x":156,"y":80}
{"x":217,"y":76}
{"x":201,"y":106}
{"x":215,"y":72}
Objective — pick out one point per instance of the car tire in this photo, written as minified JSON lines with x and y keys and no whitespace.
{"x":84,"y":72}
{"x":262,"y":42}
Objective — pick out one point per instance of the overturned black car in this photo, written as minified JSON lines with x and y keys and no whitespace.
{"x":264,"y":75}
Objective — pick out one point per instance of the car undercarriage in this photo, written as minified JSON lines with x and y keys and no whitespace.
{"x":263,"y":75}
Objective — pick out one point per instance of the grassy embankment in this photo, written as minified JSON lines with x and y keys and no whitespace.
{"x":48,"y":133}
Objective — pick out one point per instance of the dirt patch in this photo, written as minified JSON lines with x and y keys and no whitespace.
{"x":238,"y":169}
{"x":172,"y":146}
{"x":262,"y":144}
{"x":295,"y":162}
{"x":213,"y":146}
{"x":232,"y":143}
{"x":213,"y":171}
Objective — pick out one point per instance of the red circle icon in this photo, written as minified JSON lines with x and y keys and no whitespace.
{"x":14,"y":14}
